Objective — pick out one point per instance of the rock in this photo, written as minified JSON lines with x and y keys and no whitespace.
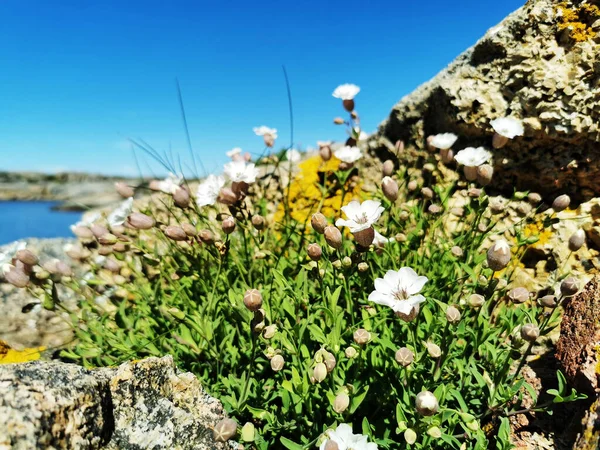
{"x":531,"y":66}
{"x":589,"y":439}
{"x":146,"y":404}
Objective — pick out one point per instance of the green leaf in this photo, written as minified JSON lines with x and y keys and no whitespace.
{"x":291,"y":445}
{"x":358,"y":399}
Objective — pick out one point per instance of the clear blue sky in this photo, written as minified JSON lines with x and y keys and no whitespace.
{"x":78,"y":78}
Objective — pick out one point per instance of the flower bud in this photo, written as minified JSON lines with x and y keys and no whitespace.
{"x":549,"y":301}
{"x":434,"y":209}
{"x":82,"y":232}
{"x":530,"y":332}
{"x":389,"y":188}
{"x":434,"y":432}
{"x":484,"y":174}
{"x":452,"y":315}
{"x":338,"y":121}
{"x":329,"y":361}
{"x":140,"y":221}
{"x":427,"y":193}
{"x":98,"y":230}
{"x":277,"y":363}
{"x":534,"y":198}
{"x":228,"y":225}
{"x":470,"y":172}
{"x":318,"y":222}
{"x":363,"y":267}
{"x":189,"y":229}
{"x":577,"y":240}
{"x":414,"y":312}
{"x":346,"y":262}
{"x":348,"y":105}
{"x":227,"y":197}
{"x":320,"y":372}
{"x":412,"y":185}
{"x":16,"y":277}
{"x":498,"y":256}
{"x":426,"y":403}
{"x":476,"y":301}
{"x":207,"y":237}
{"x":361,"y":336}
{"x":388,"y":168}
{"x":341,"y":403}
{"x":400,"y":237}
{"x":456,"y":251}
{"x":365,"y":237}
{"x":410,"y":436}
{"x":325,"y":152}
{"x":337,"y":264}
{"x":224,"y":430}
{"x":27,"y":257}
{"x":518,"y":295}
{"x":404,"y":357}
{"x":107,"y":239}
{"x":269,"y":331}
{"x":331,"y":445}
{"x":434,"y":350}
{"x":181,"y":197}
{"x":314,"y":251}
{"x":176,"y":233}
{"x":569,"y":286}
{"x":248,"y":433}
{"x":350,"y":352}
{"x":333,"y":236}
{"x":561,"y":203}
{"x":258,"y":222}
{"x":447,"y":155}
{"x":105,"y":250}
{"x":253,"y":299}
{"x":124,"y":190}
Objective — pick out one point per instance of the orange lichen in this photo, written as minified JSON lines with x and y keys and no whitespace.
{"x":9,"y":355}
{"x":578,"y":21}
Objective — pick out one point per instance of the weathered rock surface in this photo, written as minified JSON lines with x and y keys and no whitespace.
{"x":147,"y":404}
{"x":541,"y":65}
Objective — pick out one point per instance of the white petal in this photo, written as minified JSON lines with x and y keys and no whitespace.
{"x":352,"y":209}
{"x":381,"y":299}
{"x":383,"y":286}
{"x":392,"y":278}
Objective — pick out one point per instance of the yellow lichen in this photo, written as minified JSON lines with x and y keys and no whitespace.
{"x":314,"y":189}
{"x":578,"y":20}
{"x":537,"y":229}
{"x":9,"y":355}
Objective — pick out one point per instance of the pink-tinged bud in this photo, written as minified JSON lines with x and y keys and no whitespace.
{"x":561,"y":203}
{"x":498,"y":256}
{"x":331,"y":445}
{"x":361,"y":336}
{"x":457,"y":251}
{"x":105,"y":250}
{"x":348,"y":105}
{"x":107,"y":239}
{"x":434,"y":209}
{"x":314,"y":251}
{"x":258,"y":222}
{"x":120,"y":247}
{"x":470,"y":172}
{"x":224,"y":430}
{"x":227,"y":197}
{"x":484,"y":174}
{"x":518,"y":295}
{"x":189,"y":229}
{"x":228,"y":225}
{"x":399,"y":146}
{"x":318,"y":222}
{"x":341,"y":403}
{"x":176,"y":233}
{"x":476,"y":301}
{"x":569,"y":287}
{"x":452,"y":315}
{"x":427,"y":193}
{"x":426,"y":404}
{"x":549,"y":301}
{"x":140,"y":221}
{"x":534,"y":198}
{"x":447,"y":155}
{"x":350,"y":352}
{"x":434,"y":350}
{"x":98,"y":230}
{"x":154,"y":185}
{"x":27,"y":257}
{"x":530,"y":332}
{"x":269,"y":140}
{"x":388,"y":168}
{"x":207,"y":237}
{"x":364,"y":238}
{"x":389,"y":188}
{"x":333,"y":236}
{"x":329,"y":361}
{"x":253,"y":299}
{"x":414,"y":312}
{"x":277,"y":363}
{"x":247,"y":157}
{"x":325,"y":152}
{"x":269,"y":331}
{"x":181,"y":197}
{"x":124,"y":190}
{"x":429,"y":142}
{"x":338,"y":121}
{"x":320,"y":372}
{"x":82,"y":232}
{"x":404,"y":357}
{"x":16,"y":277}
{"x":112,"y":265}
{"x":577,"y":240}
{"x":412,"y":185}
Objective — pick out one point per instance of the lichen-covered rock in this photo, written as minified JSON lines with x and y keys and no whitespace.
{"x":589,"y":438}
{"x":147,"y":404}
{"x":540,"y":65}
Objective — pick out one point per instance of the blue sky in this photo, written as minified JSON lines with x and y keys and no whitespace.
{"x":80,"y":78}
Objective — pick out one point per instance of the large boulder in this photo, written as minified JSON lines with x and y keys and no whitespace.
{"x":147,"y":404}
{"x":540,"y":65}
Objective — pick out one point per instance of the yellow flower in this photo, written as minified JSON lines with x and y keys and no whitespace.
{"x":9,"y":355}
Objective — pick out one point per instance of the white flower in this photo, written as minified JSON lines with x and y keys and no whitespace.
{"x":399,"y":290}
{"x":360,"y":215}
{"x":508,"y":127}
{"x":233,"y":152}
{"x":473,"y":157}
{"x":87,"y":220}
{"x":443,"y":141}
{"x":346,"y":91}
{"x":348,"y":154}
{"x":170,"y":184}
{"x":238,"y":171}
{"x":380,"y":240}
{"x":118,"y":216}
{"x":263,"y":130}
{"x":208,"y":190}
{"x":293,"y":155}
{"x":7,"y":254}
{"x":346,"y":440}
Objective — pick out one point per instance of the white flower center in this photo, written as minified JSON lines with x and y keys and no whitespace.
{"x":362,"y":218}
{"x":401,"y":293}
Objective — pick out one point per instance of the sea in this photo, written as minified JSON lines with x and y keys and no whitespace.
{"x":36,"y":219}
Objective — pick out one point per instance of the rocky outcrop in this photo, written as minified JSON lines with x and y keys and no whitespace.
{"x":147,"y":404}
{"x":540,"y":64}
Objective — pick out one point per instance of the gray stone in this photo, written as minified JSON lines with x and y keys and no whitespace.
{"x":526,"y":67}
{"x":146,"y":404}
